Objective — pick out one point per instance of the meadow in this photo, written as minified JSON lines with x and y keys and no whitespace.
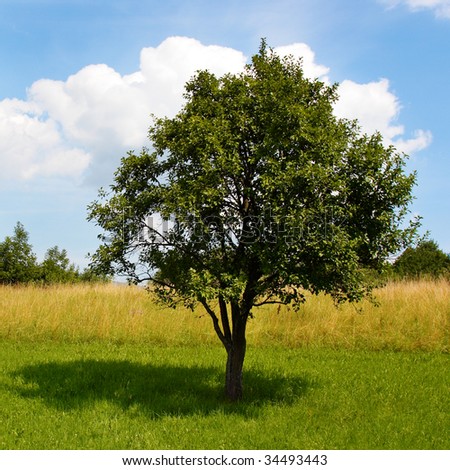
{"x":105,"y":367}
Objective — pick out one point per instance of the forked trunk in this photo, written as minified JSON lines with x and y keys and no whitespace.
{"x":233,"y":339}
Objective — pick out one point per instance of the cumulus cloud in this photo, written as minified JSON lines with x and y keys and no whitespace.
{"x":441,"y":8}
{"x":89,"y":120}
{"x":377,"y":110}
{"x":373,"y":104}
{"x":81,"y":127}
{"x":97,"y":105}
{"x":421,"y":140}
{"x":31,"y":145}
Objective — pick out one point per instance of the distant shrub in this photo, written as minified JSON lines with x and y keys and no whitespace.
{"x":426,"y":259}
{"x":56,"y":267}
{"x":19,"y":265}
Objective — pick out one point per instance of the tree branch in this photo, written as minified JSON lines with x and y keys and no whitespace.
{"x":224,"y":318}
{"x":269,"y":302}
{"x":215,"y":320}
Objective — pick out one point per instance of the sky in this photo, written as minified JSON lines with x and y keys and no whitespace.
{"x":79,"y":80}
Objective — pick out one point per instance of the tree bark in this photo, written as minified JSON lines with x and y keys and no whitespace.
{"x":236,"y":355}
{"x":233,"y":379}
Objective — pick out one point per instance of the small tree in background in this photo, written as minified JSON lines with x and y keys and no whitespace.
{"x":56,"y":267}
{"x":270,"y":195}
{"x":426,"y":259}
{"x":18,"y":263}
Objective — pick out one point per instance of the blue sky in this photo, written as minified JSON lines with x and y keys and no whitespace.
{"x":79,"y":79}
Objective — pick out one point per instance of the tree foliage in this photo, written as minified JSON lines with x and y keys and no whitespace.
{"x":56,"y":267}
{"x":268,"y":193}
{"x":426,"y":259}
{"x":19,"y":265}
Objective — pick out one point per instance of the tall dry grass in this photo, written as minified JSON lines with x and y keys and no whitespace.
{"x":93,"y":312}
{"x":410,"y":316}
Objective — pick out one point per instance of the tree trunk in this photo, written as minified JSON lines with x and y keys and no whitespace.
{"x":236,"y":355}
{"x":233,"y":379}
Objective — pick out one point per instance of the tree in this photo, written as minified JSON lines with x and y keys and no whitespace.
{"x":265,"y":194}
{"x":89,"y":275}
{"x":56,"y":267}
{"x":17,"y":260}
{"x":424,"y":259}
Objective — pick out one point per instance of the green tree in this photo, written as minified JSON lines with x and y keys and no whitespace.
{"x":17,"y":261}
{"x":56,"y":267}
{"x":267,"y":194}
{"x":426,"y":259}
{"x":90,"y":275}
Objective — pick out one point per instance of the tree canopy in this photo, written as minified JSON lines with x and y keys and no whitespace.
{"x":56,"y":267}
{"x":265,"y":195}
{"x":425,"y":259}
{"x":19,"y":265}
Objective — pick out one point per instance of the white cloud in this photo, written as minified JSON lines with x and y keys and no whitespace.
{"x":97,"y":104}
{"x":441,"y":8}
{"x":32,"y":146}
{"x":421,"y":140}
{"x":80,"y":127}
{"x":96,"y":115}
{"x":377,"y":110}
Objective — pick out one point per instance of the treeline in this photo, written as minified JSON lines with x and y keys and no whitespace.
{"x":19,"y":265}
{"x":424,"y":260}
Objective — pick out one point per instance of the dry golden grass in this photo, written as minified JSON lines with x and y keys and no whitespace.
{"x":411,"y":316}
{"x":92,"y":312}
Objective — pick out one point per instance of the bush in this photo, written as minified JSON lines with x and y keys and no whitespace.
{"x":426,"y":259}
{"x":18,"y":263}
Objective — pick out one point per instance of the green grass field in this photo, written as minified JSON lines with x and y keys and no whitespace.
{"x":103,"y":368}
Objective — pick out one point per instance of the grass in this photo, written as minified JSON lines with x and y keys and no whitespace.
{"x":108,"y":396}
{"x":412,"y":316}
{"x":102,"y":367}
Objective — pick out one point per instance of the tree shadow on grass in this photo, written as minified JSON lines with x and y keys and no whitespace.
{"x":153,"y":389}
